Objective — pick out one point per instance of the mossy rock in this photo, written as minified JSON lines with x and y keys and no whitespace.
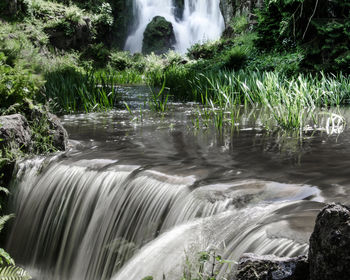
{"x":159,"y":36}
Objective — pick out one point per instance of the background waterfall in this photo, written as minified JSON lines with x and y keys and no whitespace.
{"x":201,"y":21}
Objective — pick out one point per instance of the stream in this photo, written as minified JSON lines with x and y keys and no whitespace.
{"x":137,"y":195}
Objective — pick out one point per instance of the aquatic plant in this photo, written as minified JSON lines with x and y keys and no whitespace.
{"x":159,"y":100}
{"x":71,"y":90}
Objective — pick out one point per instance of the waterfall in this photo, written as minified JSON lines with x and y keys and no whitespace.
{"x":92,"y":219}
{"x":201,"y":21}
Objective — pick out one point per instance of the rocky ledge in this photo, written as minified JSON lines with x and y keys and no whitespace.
{"x":28,"y":129}
{"x":328,"y":258}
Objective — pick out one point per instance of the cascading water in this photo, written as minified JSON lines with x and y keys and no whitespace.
{"x":201,"y":21}
{"x":85,"y":219}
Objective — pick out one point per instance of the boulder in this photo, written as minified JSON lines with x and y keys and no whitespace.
{"x":15,"y":133}
{"x":329,"y":251}
{"x":270,"y":267}
{"x":159,"y":36}
{"x":49,"y":124}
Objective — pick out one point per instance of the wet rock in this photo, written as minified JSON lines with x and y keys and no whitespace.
{"x":58,"y":132}
{"x":329,"y":252}
{"x":159,"y":36}
{"x":179,"y":6}
{"x":15,"y":133}
{"x":269,"y":267}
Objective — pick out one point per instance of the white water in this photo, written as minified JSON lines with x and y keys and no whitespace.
{"x":85,"y":219}
{"x":202,"y":21}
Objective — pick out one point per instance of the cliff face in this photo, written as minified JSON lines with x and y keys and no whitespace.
{"x":232,"y":8}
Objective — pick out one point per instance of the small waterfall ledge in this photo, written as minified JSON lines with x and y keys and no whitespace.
{"x":96,"y":219}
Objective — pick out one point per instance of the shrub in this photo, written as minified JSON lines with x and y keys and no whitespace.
{"x":120,"y":60}
{"x":16,"y":85}
{"x":203,"y":51}
{"x":235,"y":58}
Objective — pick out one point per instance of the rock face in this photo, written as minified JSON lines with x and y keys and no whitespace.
{"x":329,"y":252}
{"x":159,"y":36}
{"x":57,"y":131}
{"x":15,"y":132}
{"x":179,"y":6}
{"x":269,"y":267}
{"x":228,"y":10}
{"x":233,"y":8}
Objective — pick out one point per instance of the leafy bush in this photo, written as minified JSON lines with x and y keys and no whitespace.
{"x":120,"y":60}
{"x":99,"y":53}
{"x":16,"y":85}
{"x":203,"y":51}
{"x":234,"y":58}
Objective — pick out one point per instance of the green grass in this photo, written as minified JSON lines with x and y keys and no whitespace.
{"x":71,"y":90}
{"x":291,"y":101}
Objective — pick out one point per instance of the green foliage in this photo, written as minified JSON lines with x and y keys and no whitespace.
{"x":320,"y":27}
{"x":5,"y":258}
{"x":98,"y":53}
{"x":159,"y":101}
{"x":120,"y":60}
{"x":72,"y":90}
{"x":240,"y":24}
{"x":13,"y":273}
{"x":205,"y":267}
{"x":202,"y":51}
{"x":288,"y":63}
{"x":235,"y":58}
{"x":15,"y":85}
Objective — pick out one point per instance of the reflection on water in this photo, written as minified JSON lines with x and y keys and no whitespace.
{"x":170,"y":144}
{"x":135,"y":192}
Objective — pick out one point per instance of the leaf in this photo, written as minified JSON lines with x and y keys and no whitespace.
{"x":13,"y":273}
{"x":5,"y":256}
{"x":3,"y":220}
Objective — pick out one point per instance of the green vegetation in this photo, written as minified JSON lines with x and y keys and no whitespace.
{"x":8,"y":269}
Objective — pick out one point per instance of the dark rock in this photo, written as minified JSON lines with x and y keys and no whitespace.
{"x":58,"y":132}
{"x":329,"y":251}
{"x":15,"y":133}
{"x":159,"y":36}
{"x":40,"y":116}
{"x":7,"y":167}
{"x":228,"y":10}
{"x":269,"y":267}
{"x":179,"y":6}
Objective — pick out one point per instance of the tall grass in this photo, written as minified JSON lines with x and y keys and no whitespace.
{"x":291,"y":100}
{"x":70,"y":90}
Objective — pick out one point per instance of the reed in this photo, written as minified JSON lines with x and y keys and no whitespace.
{"x":70,"y":90}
